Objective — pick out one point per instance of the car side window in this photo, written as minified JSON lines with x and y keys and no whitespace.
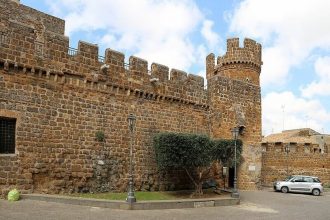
{"x":308,"y":179}
{"x":316,"y":180}
{"x":298,"y":180}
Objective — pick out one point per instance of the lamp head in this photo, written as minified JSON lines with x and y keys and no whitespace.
{"x":131,"y":121}
{"x":235,"y":132}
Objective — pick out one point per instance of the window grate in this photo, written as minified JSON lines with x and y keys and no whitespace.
{"x":7,"y":135}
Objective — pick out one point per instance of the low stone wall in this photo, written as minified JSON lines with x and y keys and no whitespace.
{"x":301,"y":160}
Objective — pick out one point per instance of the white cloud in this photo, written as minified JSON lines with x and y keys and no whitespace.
{"x":290,"y":31}
{"x":322,"y":86}
{"x":158,"y":31}
{"x":211,"y":37}
{"x":60,"y":7}
{"x":322,"y":68}
{"x":296,"y":112}
{"x":275,"y":66}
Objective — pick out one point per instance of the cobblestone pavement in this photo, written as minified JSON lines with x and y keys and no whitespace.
{"x":264,"y":204}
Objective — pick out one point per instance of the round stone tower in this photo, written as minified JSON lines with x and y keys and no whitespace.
{"x":235,"y":101}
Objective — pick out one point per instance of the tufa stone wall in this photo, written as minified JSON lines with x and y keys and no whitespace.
{"x":61,"y":97}
{"x":302,"y":159}
{"x":56,"y":148}
{"x":297,"y":151}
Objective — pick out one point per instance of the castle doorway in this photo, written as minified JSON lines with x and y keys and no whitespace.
{"x":231,"y":175}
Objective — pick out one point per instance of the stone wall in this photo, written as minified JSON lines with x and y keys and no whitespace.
{"x":61,"y":97}
{"x":56,"y":147}
{"x":301,"y":160}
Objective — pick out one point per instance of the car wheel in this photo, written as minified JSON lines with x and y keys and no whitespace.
{"x":316,"y":192}
{"x":284,"y":189}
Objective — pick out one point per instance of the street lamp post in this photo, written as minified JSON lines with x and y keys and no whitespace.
{"x":235,"y":133}
{"x":130,"y":195}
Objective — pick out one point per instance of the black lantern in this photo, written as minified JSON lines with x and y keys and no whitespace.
{"x":131,"y":122}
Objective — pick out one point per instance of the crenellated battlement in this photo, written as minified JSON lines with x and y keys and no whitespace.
{"x":250,"y":53}
{"x":160,"y":72}
{"x":241,"y":63}
{"x":291,"y":147}
{"x":32,"y":40}
{"x":13,"y":11}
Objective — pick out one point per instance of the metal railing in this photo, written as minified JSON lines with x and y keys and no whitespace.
{"x":72,"y":51}
{"x":126,"y":66}
{"x":101,"y":59}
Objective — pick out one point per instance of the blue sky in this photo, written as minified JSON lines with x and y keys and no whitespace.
{"x":295,"y":35}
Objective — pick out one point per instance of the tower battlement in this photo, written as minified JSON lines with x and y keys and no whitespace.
{"x":248,"y":57}
{"x":250,"y":53}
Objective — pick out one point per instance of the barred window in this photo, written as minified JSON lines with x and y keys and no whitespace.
{"x":7,"y":135}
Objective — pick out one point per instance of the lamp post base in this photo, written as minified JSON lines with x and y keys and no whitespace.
{"x":235,"y":195}
{"x":130,"y":199}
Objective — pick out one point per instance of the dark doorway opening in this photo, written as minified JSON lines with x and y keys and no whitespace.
{"x":231,"y":177}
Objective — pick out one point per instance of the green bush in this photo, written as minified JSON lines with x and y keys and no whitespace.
{"x":224,"y":151}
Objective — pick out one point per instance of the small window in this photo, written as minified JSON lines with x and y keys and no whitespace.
{"x":7,"y":135}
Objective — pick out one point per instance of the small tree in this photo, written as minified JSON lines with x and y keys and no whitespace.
{"x":195,"y":154}
{"x":224,"y":151}
{"x":190,"y":152}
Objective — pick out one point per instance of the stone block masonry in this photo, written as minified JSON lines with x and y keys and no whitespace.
{"x":301,"y":160}
{"x":61,"y":97}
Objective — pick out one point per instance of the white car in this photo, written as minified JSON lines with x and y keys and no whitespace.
{"x":298,"y":183}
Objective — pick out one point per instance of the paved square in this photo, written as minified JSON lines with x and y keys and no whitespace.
{"x":264,"y":204}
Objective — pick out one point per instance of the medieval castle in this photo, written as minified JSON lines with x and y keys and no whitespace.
{"x":55,"y":99}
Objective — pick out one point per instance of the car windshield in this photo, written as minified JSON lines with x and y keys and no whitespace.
{"x":288,"y":178}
